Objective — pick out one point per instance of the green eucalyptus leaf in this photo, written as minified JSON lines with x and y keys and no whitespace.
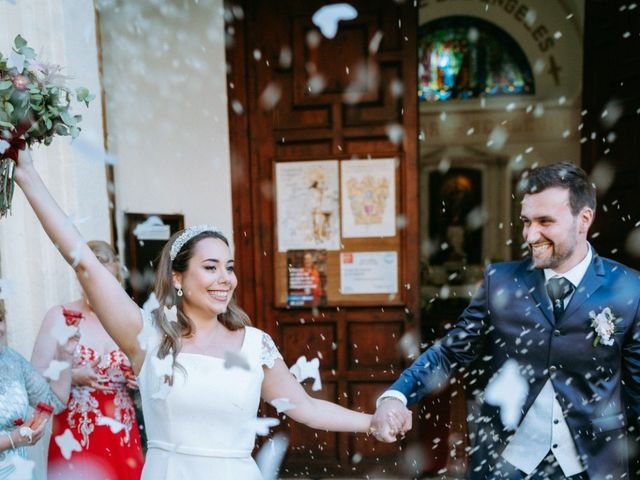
{"x":67,"y":118}
{"x":5,"y":84}
{"x":20,"y":42}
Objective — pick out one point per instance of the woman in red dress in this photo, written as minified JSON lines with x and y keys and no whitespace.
{"x":103,"y":441}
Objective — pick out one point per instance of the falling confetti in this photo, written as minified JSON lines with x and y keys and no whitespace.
{"x":151,"y":304}
{"x":508,"y":390}
{"x":263,"y":425}
{"x":270,"y":96}
{"x":282,"y":404}
{"x":113,"y":425}
{"x":171,"y":314}
{"x":236,"y":359}
{"x":68,"y":444}
{"x":304,"y":369}
{"x":497,"y":138}
{"x":63,"y":332}
{"x":271,"y":454}
{"x":55,"y":368}
{"x":327,"y":18}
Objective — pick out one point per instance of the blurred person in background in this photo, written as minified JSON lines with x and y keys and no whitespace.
{"x":100,"y":414}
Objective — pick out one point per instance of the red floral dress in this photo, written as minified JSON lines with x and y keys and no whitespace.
{"x":102,"y":422}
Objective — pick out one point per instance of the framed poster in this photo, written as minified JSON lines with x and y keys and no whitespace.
{"x":368,"y":198}
{"x":336,"y":238}
{"x":307,"y":277}
{"x":307,"y":205}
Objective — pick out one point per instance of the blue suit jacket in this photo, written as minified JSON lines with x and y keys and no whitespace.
{"x":511,"y":316}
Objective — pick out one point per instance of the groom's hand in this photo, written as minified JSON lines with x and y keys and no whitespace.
{"x":390,"y":419}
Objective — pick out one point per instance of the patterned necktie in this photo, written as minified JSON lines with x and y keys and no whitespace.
{"x":558,"y":289}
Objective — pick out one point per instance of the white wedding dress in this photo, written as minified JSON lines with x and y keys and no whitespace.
{"x":203,"y":427}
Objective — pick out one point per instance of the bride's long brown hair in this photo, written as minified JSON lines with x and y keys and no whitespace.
{"x":173,"y":332}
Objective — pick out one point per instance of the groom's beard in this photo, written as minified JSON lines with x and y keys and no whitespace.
{"x":555,"y":255}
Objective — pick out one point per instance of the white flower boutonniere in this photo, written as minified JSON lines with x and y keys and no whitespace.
{"x":603,"y":326}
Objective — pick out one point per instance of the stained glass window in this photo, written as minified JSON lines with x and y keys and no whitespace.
{"x":466,"y":57}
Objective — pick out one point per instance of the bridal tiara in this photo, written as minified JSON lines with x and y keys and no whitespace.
{"x":187,"y":235}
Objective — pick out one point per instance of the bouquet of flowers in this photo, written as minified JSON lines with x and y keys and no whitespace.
{"x":34,"y":107}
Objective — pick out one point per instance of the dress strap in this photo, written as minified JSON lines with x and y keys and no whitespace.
{"x":199,"y":451}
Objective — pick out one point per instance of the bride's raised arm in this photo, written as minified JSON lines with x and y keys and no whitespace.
{"x":119,"y":314}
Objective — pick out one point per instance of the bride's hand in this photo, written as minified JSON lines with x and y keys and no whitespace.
{"x":24,"y":166}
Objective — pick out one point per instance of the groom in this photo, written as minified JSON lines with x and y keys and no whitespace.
{"x":571,"y":320}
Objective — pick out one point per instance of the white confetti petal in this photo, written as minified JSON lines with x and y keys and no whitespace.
{"x":151,"y":304}
{"x":68,"y":444}
{"x":163,"y":366}
{"x":263,"y":425}
{"x":148,"y":331}
{"x":63,"y":332}
{"x":171,"y":314}
{"x":235,"y":359}
{"x":54,"y":369}
{"x":113,"y":425}
{"x":327,"y":18}
{"x":508,"y":390}
{"x":282,"y":404}
{"x":163,"y":391}
{"x":304,"y":369}
{"x":270,"y":456}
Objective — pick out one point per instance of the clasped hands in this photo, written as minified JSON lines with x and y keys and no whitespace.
{"x":391,"y":419}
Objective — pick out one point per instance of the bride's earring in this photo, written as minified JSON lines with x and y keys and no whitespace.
{"x":179,"y":291}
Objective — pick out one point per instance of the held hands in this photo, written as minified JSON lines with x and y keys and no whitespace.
{"x":87,"y":375}
{"x":390,"y":419}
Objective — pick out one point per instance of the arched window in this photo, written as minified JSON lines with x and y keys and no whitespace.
{"x":466,"y":57}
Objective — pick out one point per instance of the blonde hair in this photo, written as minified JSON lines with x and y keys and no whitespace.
{"x":107,"y":255}
{"x":172,"y":332}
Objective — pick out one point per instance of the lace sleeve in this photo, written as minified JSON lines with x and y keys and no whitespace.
{"x":37,"y":387}
{"x":269,"y":352}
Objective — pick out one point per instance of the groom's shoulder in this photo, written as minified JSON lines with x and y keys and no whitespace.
{"x":616,"y":269}
{"x":501,"y":268}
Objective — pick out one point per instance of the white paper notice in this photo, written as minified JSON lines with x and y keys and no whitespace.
{"x":307,"y":205}
{"x":368,"y":272}
{"x":368,"y":198}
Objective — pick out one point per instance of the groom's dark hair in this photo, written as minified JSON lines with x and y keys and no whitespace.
{"x":567,"y":175}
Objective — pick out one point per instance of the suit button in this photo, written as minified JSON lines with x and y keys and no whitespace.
{"x":552,"y":369}
{"x":556,"y":421}
{"x":556,"y":333}
{"x":555,"y":445}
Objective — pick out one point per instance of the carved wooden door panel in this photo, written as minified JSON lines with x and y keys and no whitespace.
{"x":296,"y":95}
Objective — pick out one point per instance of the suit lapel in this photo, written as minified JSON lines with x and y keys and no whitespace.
{"x":534,"y":279}
{"x":592,"y":280}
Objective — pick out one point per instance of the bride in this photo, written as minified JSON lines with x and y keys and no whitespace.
{"x":201,"y":367}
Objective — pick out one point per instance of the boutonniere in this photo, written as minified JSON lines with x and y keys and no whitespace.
{"x":603,"y":325}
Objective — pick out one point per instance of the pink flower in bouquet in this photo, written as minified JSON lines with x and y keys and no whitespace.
{"x":20,"y":82}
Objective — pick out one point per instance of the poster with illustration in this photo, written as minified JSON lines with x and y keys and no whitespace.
{"x":307,"y":205}
{"x":307,"y":278}
{"x":368,"y":192}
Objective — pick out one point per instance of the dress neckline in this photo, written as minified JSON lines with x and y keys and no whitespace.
{"x":242,"y":345}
